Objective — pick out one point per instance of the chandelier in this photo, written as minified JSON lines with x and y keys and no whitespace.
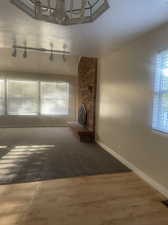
{"x":64,"y":12}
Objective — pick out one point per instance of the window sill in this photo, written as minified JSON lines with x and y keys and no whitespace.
{"x":34,"y":116}
{"x":159,"y":132}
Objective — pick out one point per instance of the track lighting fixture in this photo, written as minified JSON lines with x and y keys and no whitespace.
{"x":52,"y":52}
{"x":14,"y":53}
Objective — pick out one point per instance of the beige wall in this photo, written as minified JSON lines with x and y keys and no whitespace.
{"x":125,"y":97}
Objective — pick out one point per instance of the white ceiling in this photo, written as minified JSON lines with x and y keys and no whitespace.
{"x":126,"y":19}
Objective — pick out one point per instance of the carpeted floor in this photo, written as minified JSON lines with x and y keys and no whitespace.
{"x":32,"y":154}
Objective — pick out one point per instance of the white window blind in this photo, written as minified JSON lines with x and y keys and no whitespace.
{"x":2,"y":97}
{"x":160,"y":109}
{"x":54,"y":98}
{"x":22,"y":97}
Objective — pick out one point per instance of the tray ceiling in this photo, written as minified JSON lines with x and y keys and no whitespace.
{"x":125,"y":20}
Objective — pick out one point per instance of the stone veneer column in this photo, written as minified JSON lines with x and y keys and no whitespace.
{"x":87,"y":72}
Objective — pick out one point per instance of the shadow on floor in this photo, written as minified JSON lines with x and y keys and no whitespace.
{"x":43,"y":162}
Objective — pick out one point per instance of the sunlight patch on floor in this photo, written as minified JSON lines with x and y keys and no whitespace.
{"x":11,"y":163}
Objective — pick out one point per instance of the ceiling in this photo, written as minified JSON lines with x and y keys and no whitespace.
{"x":125,"y":20}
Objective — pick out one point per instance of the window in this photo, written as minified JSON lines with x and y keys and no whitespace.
{"x":54,"y":98}
{"x":34,"y":98}
{"x":22,"y":97}
{"x":160,"y":112}
{"x":2,"y":97}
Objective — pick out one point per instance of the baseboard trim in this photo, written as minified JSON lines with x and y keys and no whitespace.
{"x":159,"y":187}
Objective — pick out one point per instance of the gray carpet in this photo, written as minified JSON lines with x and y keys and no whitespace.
{"x":32,"y":154}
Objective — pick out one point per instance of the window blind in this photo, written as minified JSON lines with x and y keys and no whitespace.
{"x":160,"y":106}
{"x":22,"y":97}
{"x":34,"y":98}
{"x":54,"y":98}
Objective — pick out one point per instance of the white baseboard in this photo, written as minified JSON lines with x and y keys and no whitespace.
{"x":159,"y":187}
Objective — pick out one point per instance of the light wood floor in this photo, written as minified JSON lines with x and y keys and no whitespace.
{"x":117,"y":199}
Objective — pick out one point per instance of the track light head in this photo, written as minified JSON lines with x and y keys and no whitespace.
{"x":64,"y":58}
{"x":25,"y":53}
{"x":25,"y":50}
{"x":14,"y":53}
{"x":51,"y":56}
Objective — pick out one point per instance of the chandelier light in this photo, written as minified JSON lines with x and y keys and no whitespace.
{"x":64,"y":12}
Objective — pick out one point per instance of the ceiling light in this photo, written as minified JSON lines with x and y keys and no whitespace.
{"x":64,"y":12}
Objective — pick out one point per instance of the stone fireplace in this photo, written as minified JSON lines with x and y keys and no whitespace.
{"x":87,"y":83}
{"x":87,"y":72}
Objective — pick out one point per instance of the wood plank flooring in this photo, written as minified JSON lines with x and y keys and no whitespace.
{"x":115,"y":199}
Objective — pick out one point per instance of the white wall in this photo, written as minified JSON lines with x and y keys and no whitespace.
{"x":125,"y":97}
